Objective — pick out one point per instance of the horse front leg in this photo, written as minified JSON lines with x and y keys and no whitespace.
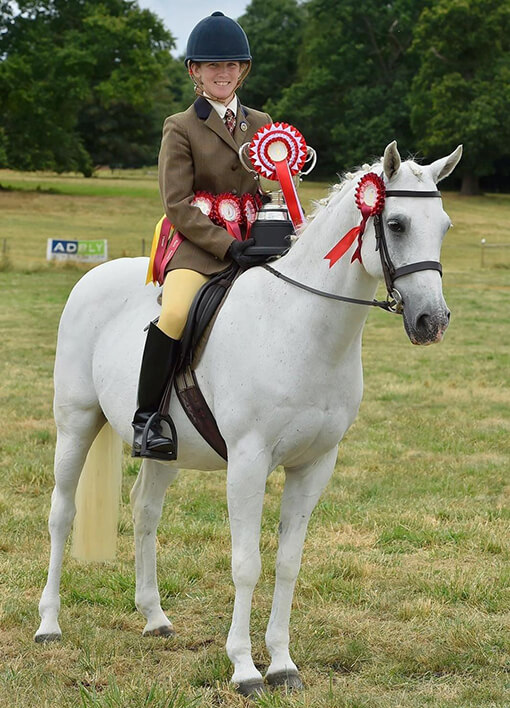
{"x":147,"y":496}
{"x":303,"y":487}
{"x":246,"y":482}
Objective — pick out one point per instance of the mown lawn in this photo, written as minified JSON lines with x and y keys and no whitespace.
{"x":404,"y":594}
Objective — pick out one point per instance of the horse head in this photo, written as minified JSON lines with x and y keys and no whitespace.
{"x":403,"y":243}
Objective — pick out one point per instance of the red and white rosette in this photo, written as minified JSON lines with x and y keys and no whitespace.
{"x":227,"y":212}
{"x":278,"y":151}
{"x":249,"y":211}
{"x":204,"y":201}
{"x":370,"y":194}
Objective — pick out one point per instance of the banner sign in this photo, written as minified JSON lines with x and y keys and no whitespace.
{"x":91,"y":251}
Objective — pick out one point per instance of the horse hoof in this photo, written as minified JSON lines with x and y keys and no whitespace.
{"x":252,"y":688}
{"x":290,"y":679}
{"x":164,"y":631}
{"x":51,"y":637}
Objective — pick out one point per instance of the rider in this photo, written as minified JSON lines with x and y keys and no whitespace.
{"x":199,"y":152}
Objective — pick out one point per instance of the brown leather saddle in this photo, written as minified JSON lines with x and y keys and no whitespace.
{"x":201,"y":318}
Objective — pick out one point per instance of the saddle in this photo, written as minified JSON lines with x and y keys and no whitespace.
{"x":201,"y":318}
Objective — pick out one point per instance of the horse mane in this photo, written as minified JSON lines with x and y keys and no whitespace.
{"x":337,"y":190}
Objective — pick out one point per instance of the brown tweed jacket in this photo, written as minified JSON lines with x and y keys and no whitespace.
{"x":198,"y":153}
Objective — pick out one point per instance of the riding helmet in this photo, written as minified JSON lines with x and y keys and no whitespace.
{"x":217,"y":38}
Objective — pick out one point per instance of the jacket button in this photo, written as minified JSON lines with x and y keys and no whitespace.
{"x":234,"y":191}
{"x":235,"y":167}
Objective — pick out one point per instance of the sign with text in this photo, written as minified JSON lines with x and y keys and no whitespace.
{"x":61,"y":250}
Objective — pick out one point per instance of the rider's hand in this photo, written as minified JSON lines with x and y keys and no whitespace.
{"x":237,"y":252}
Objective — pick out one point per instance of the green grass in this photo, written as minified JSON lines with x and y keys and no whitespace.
{"x":404,"y":593}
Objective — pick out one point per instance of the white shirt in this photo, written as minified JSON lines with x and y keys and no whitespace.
{"x":220,"y":108}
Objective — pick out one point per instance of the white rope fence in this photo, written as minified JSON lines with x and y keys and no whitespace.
{"x":485,"y":245}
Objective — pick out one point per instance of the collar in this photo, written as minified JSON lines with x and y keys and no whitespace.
{"x":203,"y":108}
{"x":221,"y":108}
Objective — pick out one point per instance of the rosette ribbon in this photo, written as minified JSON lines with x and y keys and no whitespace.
{"x":249,"y":208}
{"x":278,"y":151}
{"x":227,"y":213}
{"x":369,"y":196}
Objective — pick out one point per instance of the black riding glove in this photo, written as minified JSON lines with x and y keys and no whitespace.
{"x":237,"y":252}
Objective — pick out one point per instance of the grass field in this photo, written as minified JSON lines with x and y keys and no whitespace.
{"x":404,"y":593}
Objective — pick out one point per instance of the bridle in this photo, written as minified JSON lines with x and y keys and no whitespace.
{"x":393,"y":302}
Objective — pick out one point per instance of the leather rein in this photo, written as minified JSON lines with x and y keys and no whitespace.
{"x":393,"y":302}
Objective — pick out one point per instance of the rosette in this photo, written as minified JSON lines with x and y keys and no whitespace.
{"x":249,"y":211}
{"x":369,"y":197}
{"x":204,"y":201}
{"x":227,"y":212}
{"x":278,"y":151}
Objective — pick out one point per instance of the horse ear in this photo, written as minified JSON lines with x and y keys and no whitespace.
{"x":443,"y":167}
{"x":391,"y":160}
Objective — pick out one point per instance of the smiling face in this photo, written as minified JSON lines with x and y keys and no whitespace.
{"x":219,"y":79}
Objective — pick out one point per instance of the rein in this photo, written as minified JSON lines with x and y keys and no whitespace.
{"x":393,"y":302}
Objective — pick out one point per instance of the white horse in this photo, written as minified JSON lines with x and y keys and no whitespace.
{"x":282,"y":374}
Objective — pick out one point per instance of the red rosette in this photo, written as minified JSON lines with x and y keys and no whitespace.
{"x":258,"y":201}
{"x":249,"y":208}
{"x":277,"y":142}
{"x":204,"y":201}
{"x":370,"y":195}
{"x":227,"y":210}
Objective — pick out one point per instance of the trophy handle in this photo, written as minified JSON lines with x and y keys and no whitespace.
{"x":242,"y":159}
{"x":311,"y":155}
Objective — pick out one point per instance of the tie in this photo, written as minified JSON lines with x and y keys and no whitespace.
{"x":230,"y":120}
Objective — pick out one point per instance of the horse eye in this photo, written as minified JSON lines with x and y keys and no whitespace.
{"x":396,"y":226}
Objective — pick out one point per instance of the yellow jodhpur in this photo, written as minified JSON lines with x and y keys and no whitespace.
{"x":179,"y":289}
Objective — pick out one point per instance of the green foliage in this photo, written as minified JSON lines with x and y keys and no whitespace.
{"x":353,"y":75}
{"x":275,"y":31}
{"x":461,"y":91}
{"x":82,"y":84}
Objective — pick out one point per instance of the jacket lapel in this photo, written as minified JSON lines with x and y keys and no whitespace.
{"x":206,"y":112}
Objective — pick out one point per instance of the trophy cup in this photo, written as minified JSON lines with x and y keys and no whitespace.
{"x":276,"y":155}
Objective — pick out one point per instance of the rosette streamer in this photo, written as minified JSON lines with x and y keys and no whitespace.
{"x":369,"y":197}
{"x":249,"y":210}
{"x":227,"y":213}
{"x":278,"y":151}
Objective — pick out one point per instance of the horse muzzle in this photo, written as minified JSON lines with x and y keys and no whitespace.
{"x":426,"y":327}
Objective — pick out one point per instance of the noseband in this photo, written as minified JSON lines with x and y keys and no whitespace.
{"x":390,"y":272}
{"x":393,"y":302}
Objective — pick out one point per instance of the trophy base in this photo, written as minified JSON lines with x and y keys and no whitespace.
{"x":272,"y":238}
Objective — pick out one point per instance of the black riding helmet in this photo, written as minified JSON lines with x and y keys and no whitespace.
{"x":217,"y":38}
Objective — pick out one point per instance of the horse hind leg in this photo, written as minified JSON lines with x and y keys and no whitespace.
{"x":303,"y":487}
{"x":147,"y":496}
{"x":74,"y":439}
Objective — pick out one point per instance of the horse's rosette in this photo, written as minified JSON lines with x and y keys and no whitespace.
{"x":277,"y":152}
{"x":227,"y":213}
{"x":369,"y":196}
{"x":249,"y":210}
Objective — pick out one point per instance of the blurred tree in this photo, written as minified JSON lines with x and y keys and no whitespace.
{"x":349,"y":98}
{"x":80,"y":82}
{"x":275,"y":31}
{"x":461,"y":91}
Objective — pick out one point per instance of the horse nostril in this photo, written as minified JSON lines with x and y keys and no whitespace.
{"x":448,"y":316}
{"x":422,"y":322}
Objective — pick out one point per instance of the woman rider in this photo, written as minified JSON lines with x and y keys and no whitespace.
{"x":199,"y":152}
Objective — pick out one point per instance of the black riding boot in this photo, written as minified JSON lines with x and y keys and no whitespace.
{"x":159,"y":362}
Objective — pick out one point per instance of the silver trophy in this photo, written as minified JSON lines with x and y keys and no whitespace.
{"x":273,"y":228}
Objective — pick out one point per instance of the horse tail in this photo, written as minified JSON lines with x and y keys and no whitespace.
{"x":97,"y":499}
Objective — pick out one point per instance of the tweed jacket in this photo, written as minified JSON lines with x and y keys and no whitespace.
{"x":198,"y":153}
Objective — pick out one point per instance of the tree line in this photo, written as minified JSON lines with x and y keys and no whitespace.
{"x":84,"y":84}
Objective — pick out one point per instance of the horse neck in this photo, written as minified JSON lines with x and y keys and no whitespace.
{"x":305,"y":263}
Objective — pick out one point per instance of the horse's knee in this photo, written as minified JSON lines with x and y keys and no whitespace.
{"x":246,"y":569}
